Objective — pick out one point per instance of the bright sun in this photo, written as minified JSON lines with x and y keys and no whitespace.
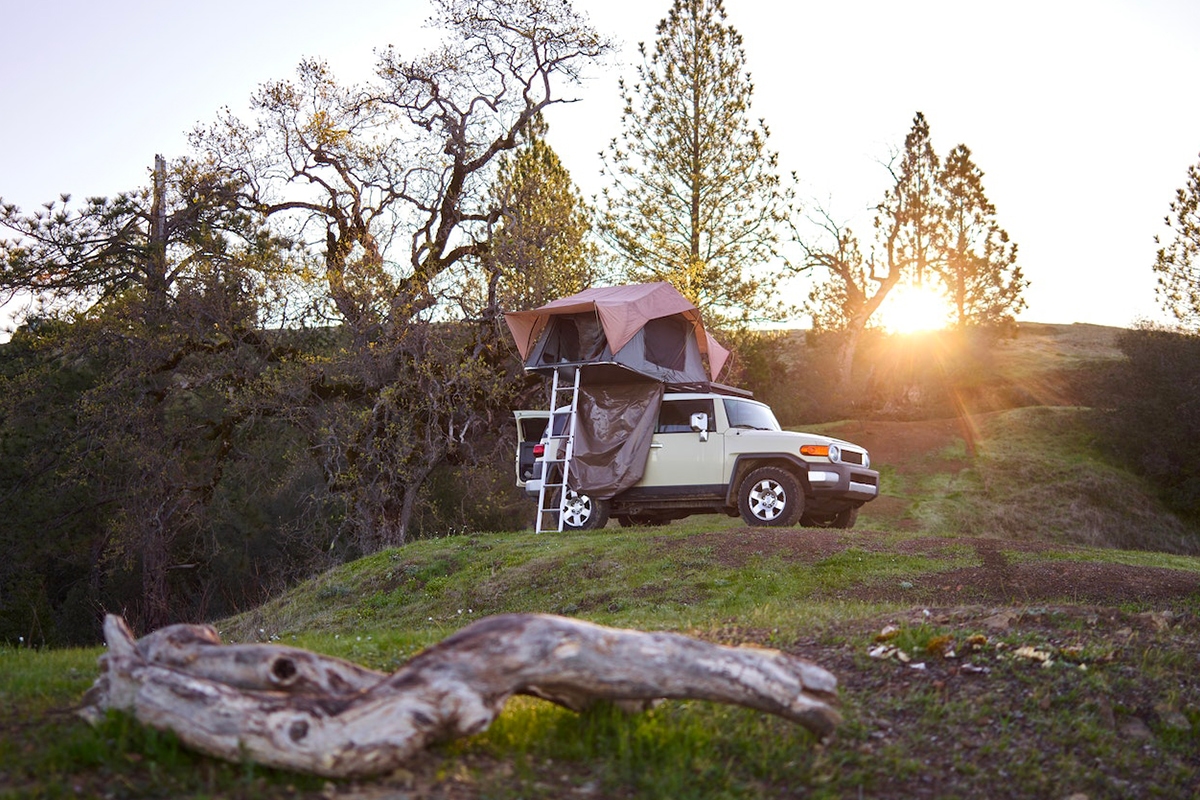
{"x":909,"y":309}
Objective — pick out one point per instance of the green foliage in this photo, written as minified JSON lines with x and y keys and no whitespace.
{"x":139,"y":474}
{"x":178,"y":445}
{"x":696,"y":199}
{"x":542,"y":249}
{"x":1178,"y":261}
{"x":183,"y":233}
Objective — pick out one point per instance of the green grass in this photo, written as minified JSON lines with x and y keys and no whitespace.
{"x":1039,"y":476}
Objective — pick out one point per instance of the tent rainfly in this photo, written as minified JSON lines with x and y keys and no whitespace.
{"x":650,"y":330}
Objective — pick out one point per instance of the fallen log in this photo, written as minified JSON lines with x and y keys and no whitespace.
{"x":293,"y":709}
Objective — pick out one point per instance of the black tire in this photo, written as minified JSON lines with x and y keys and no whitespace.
{"x":770,"y":497}
{"x":583,"y":513}
{"x":845,"y":519}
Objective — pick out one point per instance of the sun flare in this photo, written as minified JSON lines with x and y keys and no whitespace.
{"x":911,"y":309}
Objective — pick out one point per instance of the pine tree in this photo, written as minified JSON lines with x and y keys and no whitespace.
{"x":909,"y":222}
{"x":696,"y":198}
{"x":978,"y":265}
{"x":542,"y":248}
{"x":1178,"y":262}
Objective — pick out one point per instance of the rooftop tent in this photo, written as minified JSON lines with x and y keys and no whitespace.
{"x":647,"y":330}
{"x":631,"y":341}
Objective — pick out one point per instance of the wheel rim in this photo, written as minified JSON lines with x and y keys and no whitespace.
{"x":578,"y":509}
{"x":767,"y":500}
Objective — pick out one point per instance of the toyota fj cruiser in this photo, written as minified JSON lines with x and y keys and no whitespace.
{"x":718,"y":453}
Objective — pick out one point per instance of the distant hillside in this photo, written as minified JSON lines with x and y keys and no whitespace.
{"x":934,"y":374}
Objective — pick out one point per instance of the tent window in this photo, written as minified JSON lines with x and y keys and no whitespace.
{"x":666,"y":342}
{"x":576,"y":337}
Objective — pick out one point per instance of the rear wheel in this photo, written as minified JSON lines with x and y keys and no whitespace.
{"x":584,"y":513}
{"x":770,"y":496}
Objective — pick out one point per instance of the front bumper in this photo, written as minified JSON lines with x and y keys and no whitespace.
{"x":843,"y":482}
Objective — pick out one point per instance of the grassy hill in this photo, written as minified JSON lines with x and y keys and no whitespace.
{"x":1014,"y":617}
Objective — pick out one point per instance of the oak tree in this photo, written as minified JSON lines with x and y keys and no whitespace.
{"x":389,"y":184}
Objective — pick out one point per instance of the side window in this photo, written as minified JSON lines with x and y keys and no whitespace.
{"x":676,"y":415}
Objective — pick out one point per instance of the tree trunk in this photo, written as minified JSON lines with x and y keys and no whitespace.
{"x":296,"y":710}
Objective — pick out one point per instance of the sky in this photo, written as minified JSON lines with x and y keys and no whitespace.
{"x":1080,"y":113}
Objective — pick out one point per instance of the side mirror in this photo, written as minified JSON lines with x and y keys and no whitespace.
{"x":700,"y":425}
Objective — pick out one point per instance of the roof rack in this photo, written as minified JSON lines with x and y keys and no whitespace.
{"x":708,"y":386}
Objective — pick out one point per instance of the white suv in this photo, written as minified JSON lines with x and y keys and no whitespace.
{"x":716,"y":453}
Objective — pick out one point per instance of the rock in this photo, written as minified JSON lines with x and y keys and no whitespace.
{"x":1136,"y":728}
{"x":1001,"y":621}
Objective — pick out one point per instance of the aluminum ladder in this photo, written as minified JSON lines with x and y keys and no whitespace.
{"x":560,"y":439}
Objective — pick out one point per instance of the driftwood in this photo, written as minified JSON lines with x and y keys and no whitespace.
{"x":297,"y":710}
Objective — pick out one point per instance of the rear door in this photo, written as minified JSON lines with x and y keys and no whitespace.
{"x":531,"y":425}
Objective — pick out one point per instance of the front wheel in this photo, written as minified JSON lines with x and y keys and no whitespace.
{"x":584,"y":513}
{"x":846,"y":519}
{"x":771,"y":496}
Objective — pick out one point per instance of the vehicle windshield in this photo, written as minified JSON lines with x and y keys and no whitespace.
{"x":748,"y":414}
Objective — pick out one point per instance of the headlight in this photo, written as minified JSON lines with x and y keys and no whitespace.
{"x":835,"y":453}
{"x":866,"y":460}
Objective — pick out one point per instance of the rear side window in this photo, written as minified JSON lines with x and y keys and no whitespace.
{"x":676,"y":415}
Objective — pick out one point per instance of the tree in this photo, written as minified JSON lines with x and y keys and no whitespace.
{"x":152,"y":240}
{"x":542,"y":248}
{"x":1178,"y":261}
{"x":933,"y":221}
{"x":695,"y":197}
{"x":979,"y":266}
{"x":908,"y":224}
{"x":164,"y":335}
{"x":389,"y":184}
{"x":910,"y":221}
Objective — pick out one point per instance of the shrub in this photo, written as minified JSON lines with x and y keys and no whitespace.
{"x":1151,"y":413}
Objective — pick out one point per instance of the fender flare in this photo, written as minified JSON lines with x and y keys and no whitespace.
{"x":747,"y":462}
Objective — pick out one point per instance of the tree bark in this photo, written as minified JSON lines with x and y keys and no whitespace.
{"x":301,"y":711}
